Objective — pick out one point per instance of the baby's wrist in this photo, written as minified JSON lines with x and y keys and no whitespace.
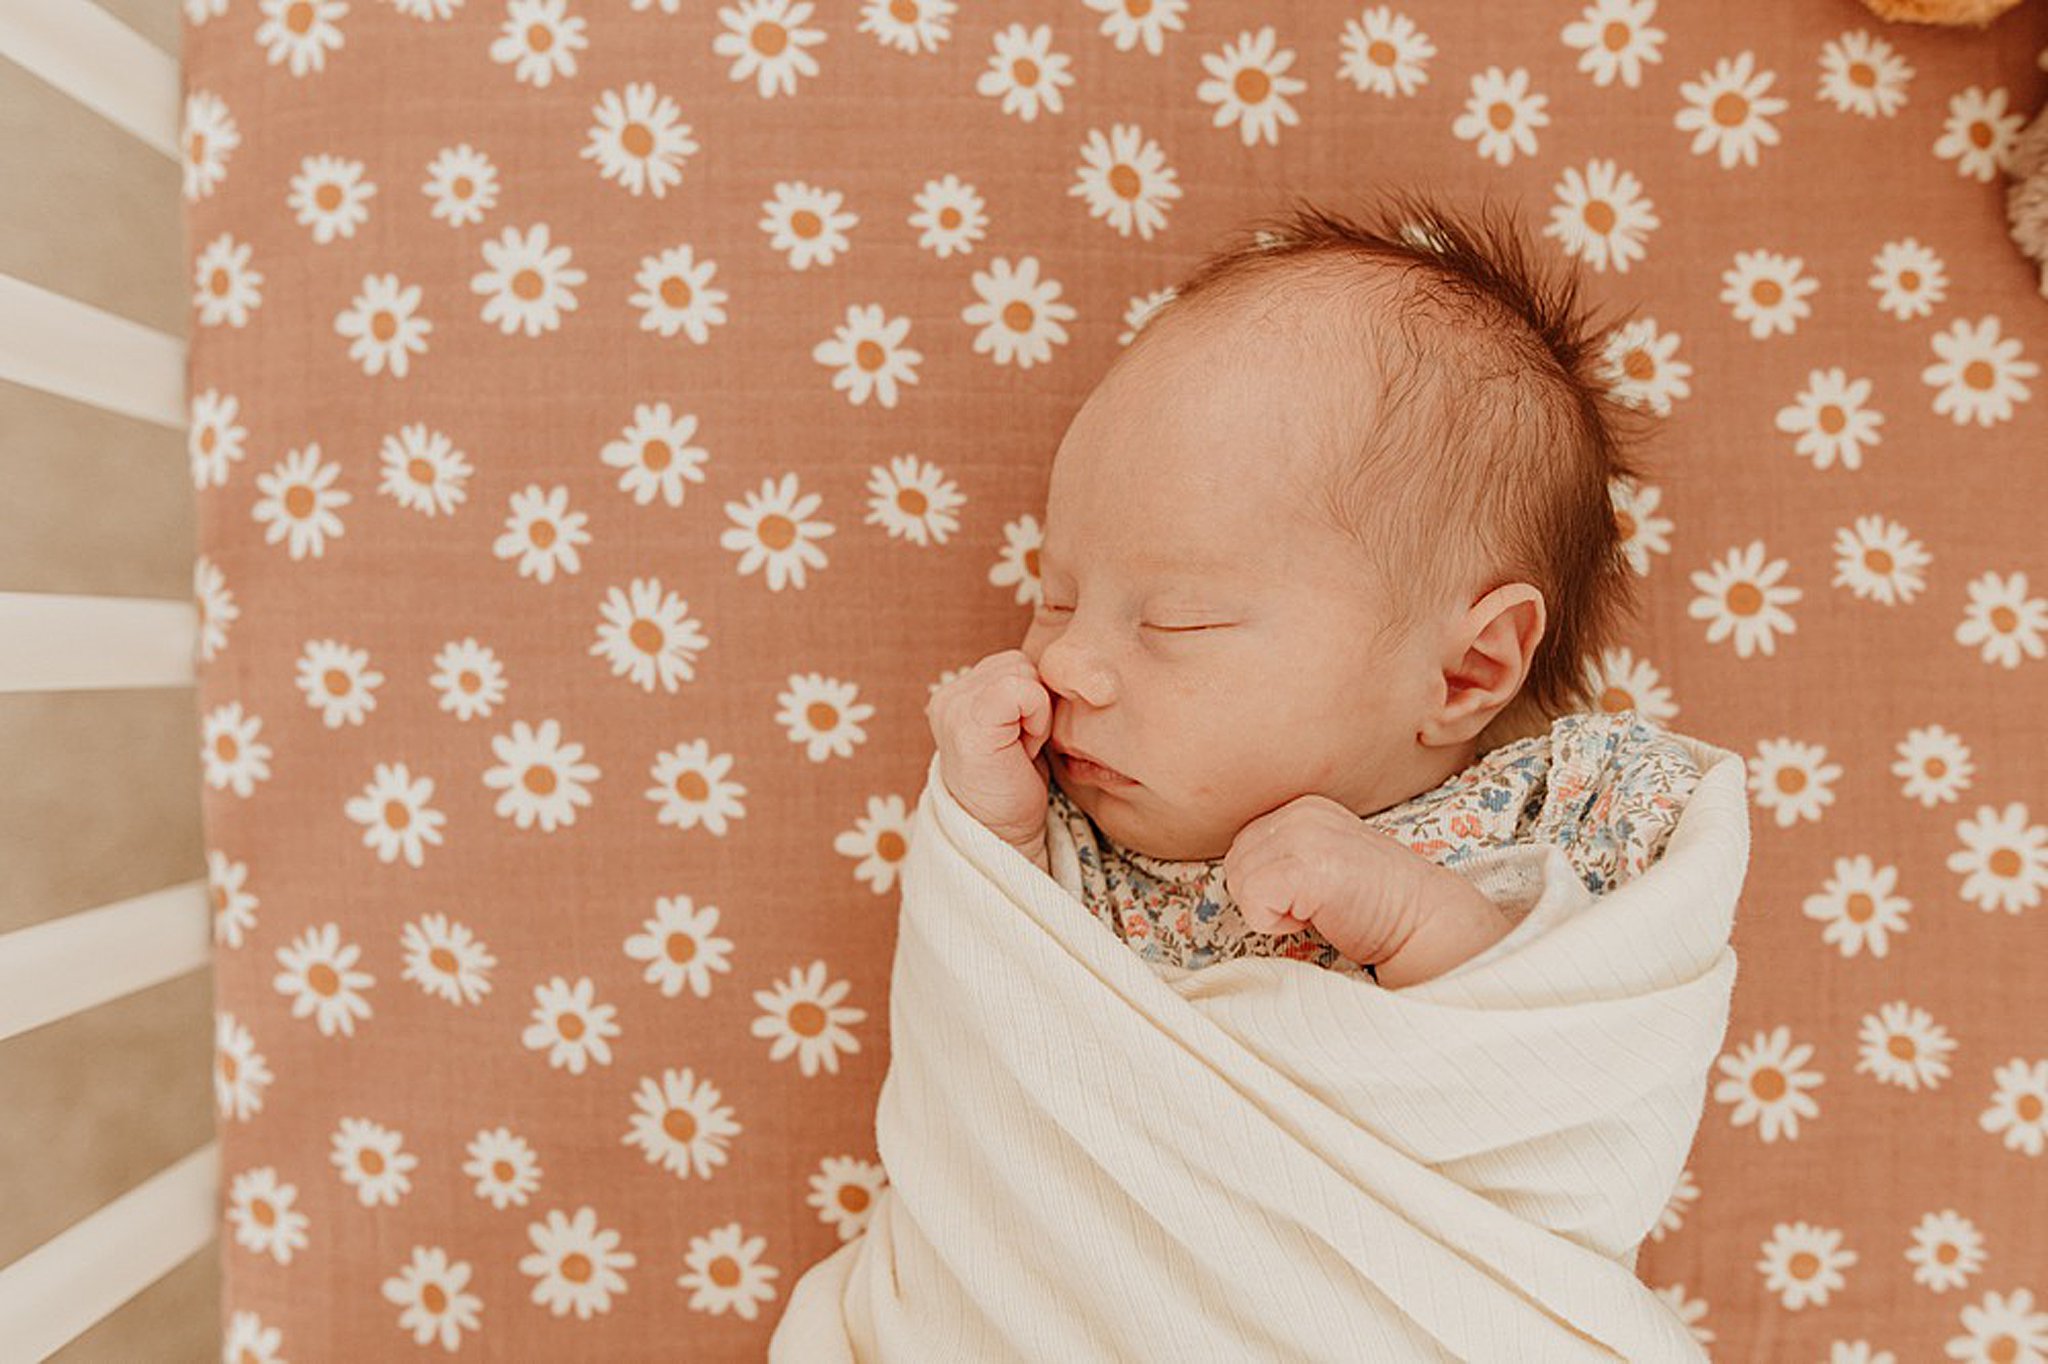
{"x":1034,"y":850}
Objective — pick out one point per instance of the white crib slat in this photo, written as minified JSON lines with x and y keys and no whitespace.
{"x":69,"y":964}
{"x":75,"y":350}
{"x":51,"y":641}
{"x":98,"y":61}
{"x":51,"y":1295}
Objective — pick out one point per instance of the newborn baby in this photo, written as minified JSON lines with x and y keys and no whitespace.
{"x":1326,"y":555}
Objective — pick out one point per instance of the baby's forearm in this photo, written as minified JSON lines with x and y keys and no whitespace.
{"x":1461,"y":923}
{"x":1034,"y":848}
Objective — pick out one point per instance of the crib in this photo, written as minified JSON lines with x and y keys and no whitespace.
{"x":546,"y":932}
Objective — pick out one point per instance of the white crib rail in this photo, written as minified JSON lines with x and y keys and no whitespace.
{"x":54,"y":642}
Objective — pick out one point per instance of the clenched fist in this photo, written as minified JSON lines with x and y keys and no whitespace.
{"x":990,"y":725}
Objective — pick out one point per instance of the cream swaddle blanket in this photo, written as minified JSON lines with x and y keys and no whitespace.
{"x":1093,"y":1157}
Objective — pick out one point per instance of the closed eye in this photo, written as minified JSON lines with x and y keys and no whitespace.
{"x":1163,"y":629}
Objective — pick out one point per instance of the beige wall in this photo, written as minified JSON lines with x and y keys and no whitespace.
{"x":101,"y":797}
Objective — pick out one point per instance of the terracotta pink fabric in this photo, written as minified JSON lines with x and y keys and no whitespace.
{"x":610,"y":422}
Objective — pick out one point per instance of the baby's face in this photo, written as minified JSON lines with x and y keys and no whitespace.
{"x":1201,"y":630}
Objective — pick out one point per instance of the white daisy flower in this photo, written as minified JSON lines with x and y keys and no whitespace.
{"x":1803,"y":1264}
{"x":1622,"y":682}
{"x":1125,"y":180}
{"x":1863,"y":75}
{"x":1025,"y":72}
{"x":446,"y":959}
{"x":867,"y":356}
{"x":681,"y":1125}
{"x":422,"y":471}
{"x":1738,"y":596}
{"x":639,"y":139}
{"x":1947,"y":1249}
{"x":468,"y":679}
{"x":1502,"y":115}
{"x":1643,"y":532}
{"x":461,"y":185}
{"x":208,"y":135}
{"x":680,"y":946}
{"x":570,"y":1025}
{"x":912,"y":27}
{"x":2001,"y":620}
{"x":806,"y":224}
{"x":543,"y":534}
{"x":539,"y":40}
{"x":504,"y":1167}
{"x":576,"y":1265}
{"x":383,"y":326}
{"x":338,"y":682}
{"x":1385,"y":53}
{"x":1124,"y":24}
{"x":1767,"y":291}
{"x":768,"y":40}
{"x":774,"y":527}
{"x":226,"y":287}
{"x":1857,"y":907}
{"x":802,"y":1013}
{"x":330,"y":195}
{"x":648,"y":636}
{"x":1018,"y":315}
{"x":373,"y":1161}
{"x":1793,"y":780}
{"x":1980,"y":375}
{"x":430,"y":1287}
{"x":950,"y":217}
{"x":233,"y":757}
{"x":1683,"y":1195}
{"x":1880,"y":561}
{"x":1248,"y":86}
{"x":297,"y":500}
{"x":1909,"y":279}
{"x":1934,"y":766}
{"x":1727,"y":111}
{"x":2003,"y":860}
{"x":1902,"y":1045}
{"x":540,"y":776}
{"x":300,"y":32}
{"x":234,"y":908}
{"x":675,"y":294}
{"x":213,"y":439}
{"x":690,"y":788}
{"x":320,"y":978}
{"x":1999,"y":1328}
{"x":1601,"y":216}
{"x":1830,"y":419}
{"x":1978,"y":135}
{"x":726,"y":1271}
{"x":530,"y":283}
{"x":262,"y":1210}
{"x":913,"y":500}
{"x":240,"y":1074}
{"x":396,"y":818}
{"x":1767,"y":1086}
{"x":2019,"y":1108}
{"x":1615,"y":38}
{"x":1641,"y":366}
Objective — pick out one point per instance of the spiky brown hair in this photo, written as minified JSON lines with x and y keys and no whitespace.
{"x":1494,"y":436}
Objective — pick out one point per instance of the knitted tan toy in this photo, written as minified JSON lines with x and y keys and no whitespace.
{"x":2026,"y":199}
{"x":1978,"y":12}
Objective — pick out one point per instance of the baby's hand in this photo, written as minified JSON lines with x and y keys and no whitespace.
{"x":1312,"y":861}
{"x":990,"y":724}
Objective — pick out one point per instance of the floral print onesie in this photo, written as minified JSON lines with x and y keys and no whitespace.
{"x":1606,"y":788}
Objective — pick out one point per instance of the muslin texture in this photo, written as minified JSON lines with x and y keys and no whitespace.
{"x":1094,"y":1157}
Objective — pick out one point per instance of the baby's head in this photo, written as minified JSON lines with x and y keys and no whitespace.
{"x":1337,"y":522}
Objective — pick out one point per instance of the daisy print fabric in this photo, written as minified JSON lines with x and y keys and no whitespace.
{"x":610,"y":422}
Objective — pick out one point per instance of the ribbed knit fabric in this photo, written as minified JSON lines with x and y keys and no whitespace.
{"x":1091,"y":1158}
